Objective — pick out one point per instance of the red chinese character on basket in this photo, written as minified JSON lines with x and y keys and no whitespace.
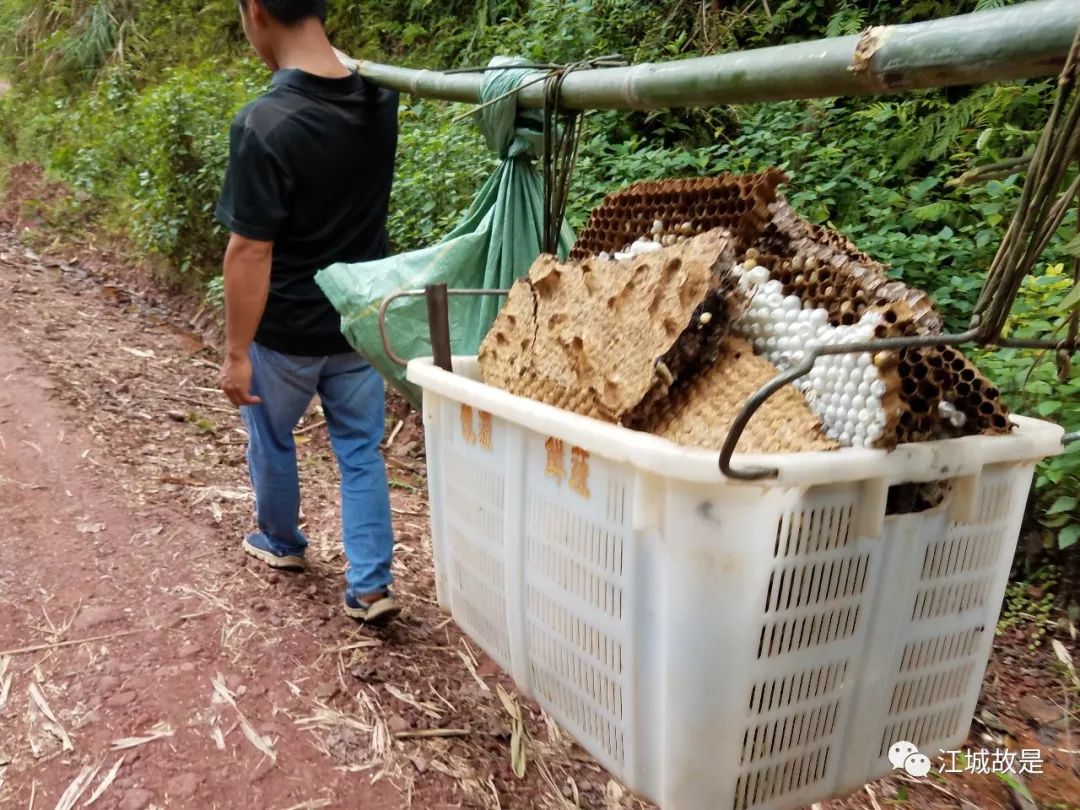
{"x":556,"y":459}
{"x":485,"y":430}
{"x":579,"y":472}
{"x":467,"y":432}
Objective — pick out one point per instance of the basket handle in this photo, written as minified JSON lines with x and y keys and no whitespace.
{"x":438,"y":314}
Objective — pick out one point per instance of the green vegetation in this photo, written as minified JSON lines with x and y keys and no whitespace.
{"x":1030,"y":604}
{"x":129,"y":103}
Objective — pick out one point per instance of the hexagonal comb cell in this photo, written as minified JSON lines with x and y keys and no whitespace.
{"x":674,"y":210}
{"x":927,"y":398}
{"x":827,"y":271}
{"x":700,"y":411}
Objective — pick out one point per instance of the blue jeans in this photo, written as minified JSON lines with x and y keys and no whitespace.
{"x":352,"y":397}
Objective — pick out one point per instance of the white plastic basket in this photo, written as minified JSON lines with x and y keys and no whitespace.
{"x":720,"y":644}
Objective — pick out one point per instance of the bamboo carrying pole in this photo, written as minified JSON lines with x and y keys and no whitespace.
{"x":1023,"y":41}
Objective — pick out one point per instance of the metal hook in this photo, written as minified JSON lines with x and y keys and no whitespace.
{"x":762,"y":394}
{"x":433,"y":300}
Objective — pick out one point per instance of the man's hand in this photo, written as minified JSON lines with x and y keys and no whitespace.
{"x":235,"y":380}
{"x":247,"y":284}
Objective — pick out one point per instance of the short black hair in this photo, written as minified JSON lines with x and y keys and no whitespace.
{"x":289,"y":12}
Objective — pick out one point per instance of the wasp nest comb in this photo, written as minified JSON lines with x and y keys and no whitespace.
{"x":642,"y":342}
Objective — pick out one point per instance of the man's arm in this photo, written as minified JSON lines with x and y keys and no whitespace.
{"x":247,"y":285}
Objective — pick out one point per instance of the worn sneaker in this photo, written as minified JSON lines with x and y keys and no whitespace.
{"x":376,"y":611}
{"x":258,"y":546}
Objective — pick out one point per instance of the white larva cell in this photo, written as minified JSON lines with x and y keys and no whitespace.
{"x":642,"y":246}
{"x":844,"y":390}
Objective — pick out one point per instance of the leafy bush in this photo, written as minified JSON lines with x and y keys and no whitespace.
{"x":1042,"y":385}
{"x":182,"y":124}
{"x":152,"y":158}
{"x":440,"y":165}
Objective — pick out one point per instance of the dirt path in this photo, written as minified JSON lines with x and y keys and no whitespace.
{"x":148,"y":580}
{"x":123,"y":495}
{"x":80,"y":567}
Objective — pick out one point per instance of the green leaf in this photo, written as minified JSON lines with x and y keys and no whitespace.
{"x":1066,"y":503}
{"x":1048,"y":407}
{"x":930,"y":211}
{"x":1072,"y":247}
{"x":1016,"y":785}
{"x":1072,"y":299}
{"x":1056,"y":522}
{"x":1069,"y":535}
{"x":919,"y":191}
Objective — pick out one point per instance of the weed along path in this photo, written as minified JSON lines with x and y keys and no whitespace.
{"x":144,"y":662}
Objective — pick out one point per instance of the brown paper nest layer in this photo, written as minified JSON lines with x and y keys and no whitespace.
{"x":701,"y":412}
{"x":600,"y":338}
{"x":824,"y":269}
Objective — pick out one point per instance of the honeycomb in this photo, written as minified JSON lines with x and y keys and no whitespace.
{"x":941,"y":394}
{"x":590,"y":335}
{"x":677,"y":209}
{"x":701,"y":410}
{"x":608,"y":339}
{"x":826,"y":271}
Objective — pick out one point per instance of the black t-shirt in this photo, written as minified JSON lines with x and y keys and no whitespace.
{"x":310,"y":168}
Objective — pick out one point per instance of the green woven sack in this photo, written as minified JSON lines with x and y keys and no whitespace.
{"x":495,"y":243}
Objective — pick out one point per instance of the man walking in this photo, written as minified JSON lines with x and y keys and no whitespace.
{"x":308,"y":185}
